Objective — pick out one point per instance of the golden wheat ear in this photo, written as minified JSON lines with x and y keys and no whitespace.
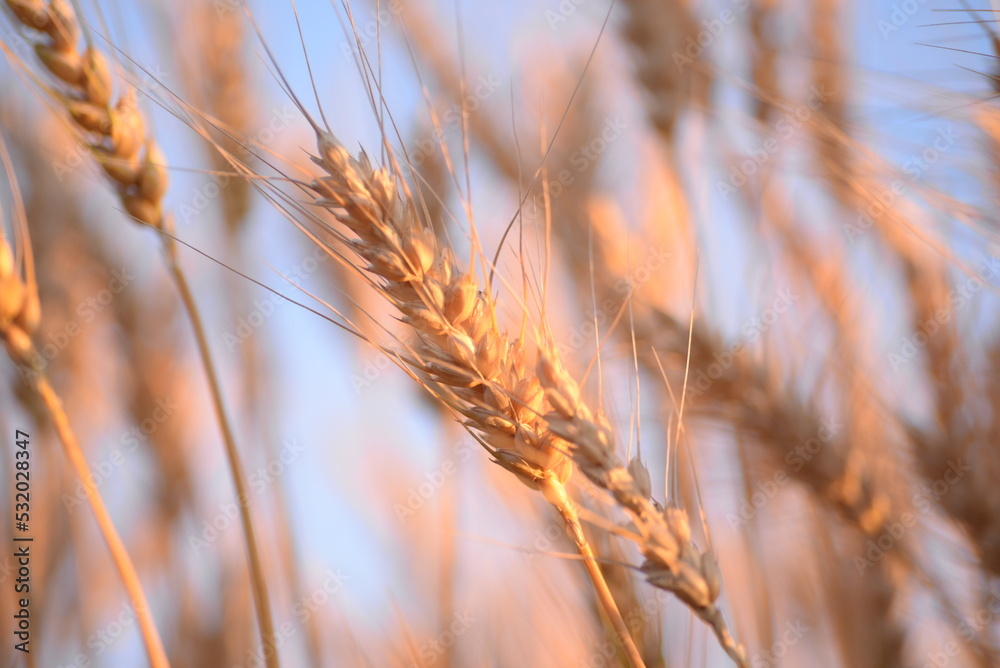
{"x":533,"y":422}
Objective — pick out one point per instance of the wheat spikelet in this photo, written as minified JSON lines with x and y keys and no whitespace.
{"x":460,"y":348}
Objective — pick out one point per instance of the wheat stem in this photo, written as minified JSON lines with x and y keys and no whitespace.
{"x":126,"y":569}
{"x":555,"y":493}
{"x":257,"y":580}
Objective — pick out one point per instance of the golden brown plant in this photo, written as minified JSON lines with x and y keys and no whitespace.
{"x":530,"y":424}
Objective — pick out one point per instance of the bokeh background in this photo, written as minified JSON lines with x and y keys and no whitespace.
{"x":816,"y":180}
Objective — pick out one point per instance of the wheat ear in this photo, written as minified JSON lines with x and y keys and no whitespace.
{"x":461,"y":355}
{"x":216,"y":75}
{"x":132,"y":161}
{"x":531,"y":423}
{"x":659,"y":30}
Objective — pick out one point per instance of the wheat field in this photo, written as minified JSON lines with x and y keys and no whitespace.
{"x":440,"y":334}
